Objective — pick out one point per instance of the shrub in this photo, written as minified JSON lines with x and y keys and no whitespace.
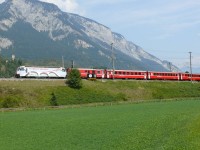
{"x":74,"y":79}
{"x":10,"y":102}
{"x":53,"y":100}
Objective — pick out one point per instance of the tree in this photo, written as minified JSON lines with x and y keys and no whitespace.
{"x":53,"y":100}
{"x":74,"y":79}
{"x":8,"y":67}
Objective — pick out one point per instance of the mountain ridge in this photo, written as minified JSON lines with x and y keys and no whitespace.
{"x":44,"y":31}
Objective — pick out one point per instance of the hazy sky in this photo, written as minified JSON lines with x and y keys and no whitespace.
{"x":168,"y":29}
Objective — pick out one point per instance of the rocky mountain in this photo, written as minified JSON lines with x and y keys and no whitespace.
{"x":35,"y":30}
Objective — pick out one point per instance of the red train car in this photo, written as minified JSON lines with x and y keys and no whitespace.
{"x":188,"y":77}
{"x":185,"y":76}
{"x":163,"y":75}
{"x":195,"y":77}
{"x":91,"y":73}
{"x":125,"y":74}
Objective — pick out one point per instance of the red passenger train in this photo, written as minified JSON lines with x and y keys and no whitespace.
{"x":137,"y":75}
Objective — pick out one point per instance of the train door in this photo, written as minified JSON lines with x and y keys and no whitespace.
{"x":107,"y":74}
{"x":146,"y":75}
{"x":180,"y":77}
{"x":94,"y":74}
{"x":103,"y":74}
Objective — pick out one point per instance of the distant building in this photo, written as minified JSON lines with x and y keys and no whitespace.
{"x":13,"y":57}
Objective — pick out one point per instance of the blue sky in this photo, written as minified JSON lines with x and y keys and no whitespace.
{"x":168,"y":29}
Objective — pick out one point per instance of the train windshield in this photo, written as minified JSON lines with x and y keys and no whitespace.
{"x":63,"y":70}
{"x":21,"y":69}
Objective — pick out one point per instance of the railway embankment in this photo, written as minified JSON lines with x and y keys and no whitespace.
{"x":38,"y":93}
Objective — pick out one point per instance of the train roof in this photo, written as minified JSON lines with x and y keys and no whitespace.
{"x":41,"y":67}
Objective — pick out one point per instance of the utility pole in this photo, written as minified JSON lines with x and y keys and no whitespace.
{"x":170,"y":66}
{"x":190,"y":65}
{"x":63,"y":62}
{"x":72,"y":66}
{"x":113,"y":62}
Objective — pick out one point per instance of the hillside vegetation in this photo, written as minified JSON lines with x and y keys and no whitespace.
{"x":38,"y":93}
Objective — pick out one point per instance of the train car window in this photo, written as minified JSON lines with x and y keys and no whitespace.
{"x":127,"y":73}
{"x":98,"y":72}
{"x":124,"y":73}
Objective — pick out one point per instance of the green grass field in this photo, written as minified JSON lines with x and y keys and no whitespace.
{"x":159,"y":125}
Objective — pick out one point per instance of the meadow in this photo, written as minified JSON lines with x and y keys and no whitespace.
{"x":158,"y":125}
{"x":38,"y":93}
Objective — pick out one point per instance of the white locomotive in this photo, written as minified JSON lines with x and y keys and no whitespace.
{"x":40,"y":72}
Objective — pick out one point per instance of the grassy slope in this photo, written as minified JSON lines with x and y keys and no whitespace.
{"x":164,"y":125}
{"x":33,"y":93}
